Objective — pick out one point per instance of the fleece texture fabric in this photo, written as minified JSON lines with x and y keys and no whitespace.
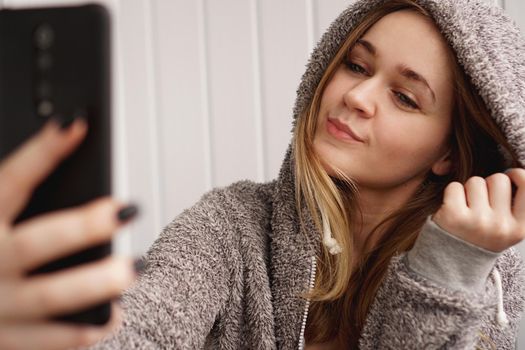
{"x":227,"y":272}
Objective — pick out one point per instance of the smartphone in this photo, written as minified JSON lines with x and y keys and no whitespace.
{"x":56,"y":61}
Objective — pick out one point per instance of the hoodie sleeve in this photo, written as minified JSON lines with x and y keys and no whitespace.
{"x":443,"y":294}
{"x":184,"y":287}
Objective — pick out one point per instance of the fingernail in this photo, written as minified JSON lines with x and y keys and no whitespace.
{"x":64,"y":122}
{"x":81,"y":114}
{"x":127,"y":213}
{"x":507,"y":170}
{"x":139,"y":265}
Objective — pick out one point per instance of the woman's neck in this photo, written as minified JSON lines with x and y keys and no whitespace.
{"x":376,"y":205}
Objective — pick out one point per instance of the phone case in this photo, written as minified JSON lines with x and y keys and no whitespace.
{"x":56,"y":60}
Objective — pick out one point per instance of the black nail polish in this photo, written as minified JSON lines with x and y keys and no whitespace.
{"x":67,"y":122}
{"x":127,"y":213}
{"x":64,"y":122}
{"x":139,"y":265}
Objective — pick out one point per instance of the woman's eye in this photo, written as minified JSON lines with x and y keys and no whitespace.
{"x":355,"y":67}
{"x":404,"y":99}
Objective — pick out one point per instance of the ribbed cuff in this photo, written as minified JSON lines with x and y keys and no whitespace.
{"x":449,"y":260}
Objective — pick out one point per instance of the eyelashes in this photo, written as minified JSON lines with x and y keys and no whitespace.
{"x":402,"y":98}
{"x":355,"y":67}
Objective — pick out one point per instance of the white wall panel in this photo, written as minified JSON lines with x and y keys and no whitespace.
{"x":284,"y":53}
{"x":230,"y":64}
{"x":181,"y":78}
{"x":141,"y":124}
{"x":327,"y":11}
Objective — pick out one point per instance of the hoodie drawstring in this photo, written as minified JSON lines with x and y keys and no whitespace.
{"x":329,"y":242}
{"x":501,"y":316}
{"x":334,"y":248}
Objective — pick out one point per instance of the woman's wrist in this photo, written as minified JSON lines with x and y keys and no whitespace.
{"x":450,"y":261}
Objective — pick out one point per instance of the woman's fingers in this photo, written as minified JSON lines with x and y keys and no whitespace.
{"x":517,"y":175}
{"x":34,"y":160}
{"x":477,"y":194}
{"x":65,"y":291}
{"x":454,"y":206}
{"x":499,"y":189}
{"x":51,"y":336}
{"x":454,"y":197}
{"x":51,"y":236}
{"x":491,"y":221}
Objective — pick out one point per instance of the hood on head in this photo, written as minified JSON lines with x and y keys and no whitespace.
{"x":488,"y":45}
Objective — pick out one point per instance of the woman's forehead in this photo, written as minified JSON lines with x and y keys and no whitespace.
{"x":409,"y":36}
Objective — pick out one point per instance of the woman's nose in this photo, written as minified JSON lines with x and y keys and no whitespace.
{"x":362,"y":97}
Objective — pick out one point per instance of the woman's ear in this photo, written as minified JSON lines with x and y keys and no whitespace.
{"x":443,"y":165}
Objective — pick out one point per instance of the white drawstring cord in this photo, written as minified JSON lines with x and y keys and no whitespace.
{"x":501,"y":317}
{"x":335,"y":248}
{"x":329,"y":242}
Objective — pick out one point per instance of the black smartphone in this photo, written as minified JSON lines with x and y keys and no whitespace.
{"x":56,"y":61}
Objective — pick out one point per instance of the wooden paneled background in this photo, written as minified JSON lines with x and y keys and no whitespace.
{"x":203,"y":92}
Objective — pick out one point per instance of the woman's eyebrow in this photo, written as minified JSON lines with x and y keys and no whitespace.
{"x":368,"y":46}
{"x":410,"y":74}
{"x":402,"y":69}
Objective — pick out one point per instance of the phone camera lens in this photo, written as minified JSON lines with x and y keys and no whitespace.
{"x":44,"y":36}
{"x":45,"y":108}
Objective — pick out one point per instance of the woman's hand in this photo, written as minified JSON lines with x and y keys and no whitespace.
{"x":26,"y":303}
{"x":483,"y":213}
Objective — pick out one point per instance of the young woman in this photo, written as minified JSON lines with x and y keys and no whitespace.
{"x":392,"y":221}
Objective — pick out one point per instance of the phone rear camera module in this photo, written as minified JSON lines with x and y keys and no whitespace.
{"x":44,"y":36}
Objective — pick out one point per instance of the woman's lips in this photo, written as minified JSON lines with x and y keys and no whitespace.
{"x":341,"y":132}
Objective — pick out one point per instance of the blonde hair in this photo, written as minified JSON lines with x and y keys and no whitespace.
{"x":341,"y":297}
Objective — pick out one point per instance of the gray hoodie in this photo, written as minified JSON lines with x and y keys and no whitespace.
{"x":226,"y":273}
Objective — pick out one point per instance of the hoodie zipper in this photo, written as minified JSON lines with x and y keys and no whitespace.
{"x":313,"y":270}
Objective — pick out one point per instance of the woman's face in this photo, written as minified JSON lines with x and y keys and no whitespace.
{"x":403,"y":122}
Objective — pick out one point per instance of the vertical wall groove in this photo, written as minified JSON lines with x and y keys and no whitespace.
{"x":257,"y":91}
{"x":310,"y":24}
{"x":154,"y":119}
{"x":205,"y":91}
